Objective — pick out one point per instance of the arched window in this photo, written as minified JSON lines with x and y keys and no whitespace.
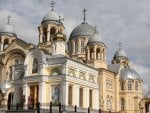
{"x":82,"y":46}
{"x":76,"y":46}
{"x":91,"y":54}
{"x":35,"y":66}
{"x":136,"y":85}
{"x":129,"y":85}
{"x":52,"y":31}
{"x":122,"y":85}
{"x":44,"y":39}
{"x":122,"y":104}
{"x":55,"y":72}
{"x":45,"y":35}
{"x":98,"y":55}
{"x":5,"y":43}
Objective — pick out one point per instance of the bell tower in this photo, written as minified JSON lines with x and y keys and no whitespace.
{"x":121,"y":57}
{"x":50,"y":25}
{"x":7,"y":35}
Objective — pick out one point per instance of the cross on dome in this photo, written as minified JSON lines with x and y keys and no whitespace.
{"x":84,"y":14}
{"x":120,"y":45}
{"x":52,"y":4}
{"x":8,"y":19}
{"x":95,"y":29}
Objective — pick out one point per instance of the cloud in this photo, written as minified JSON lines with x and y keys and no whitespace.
{"x":125,"y":21}
{"x":22,"y":27}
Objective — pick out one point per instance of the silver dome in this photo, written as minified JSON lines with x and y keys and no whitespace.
{"x":51,"y":16}
{"x":5,"y":85}
{"x":83,"y":29}
{"x":7,"y":29}
{"x":128,"y":73}
{"x":95,"y":38}
{"x":120,"y":53}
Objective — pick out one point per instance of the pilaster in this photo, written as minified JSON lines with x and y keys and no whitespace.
{"x":26,"y":92}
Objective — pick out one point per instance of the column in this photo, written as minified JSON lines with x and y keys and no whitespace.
{"x":41,"y":34}
{"x":41,"y":92}
{"x":86,"y":97}
{"x":4,"y":100}
{"x":77,"y":95}
{"x":94,"y":53}
{"x":95,"y":100}
{"x":16,"y":95}
{"x":1,"y":46}
{"x":64,"y":92}
{"x":35,"y":94}
{"x":26,"y":92}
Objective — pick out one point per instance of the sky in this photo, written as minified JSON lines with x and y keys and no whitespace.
{"x":125,"y":21}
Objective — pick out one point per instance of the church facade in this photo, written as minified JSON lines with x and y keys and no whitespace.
{"x":73,"y":72}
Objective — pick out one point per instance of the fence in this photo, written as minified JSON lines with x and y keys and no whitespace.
{"x":52,"y":108}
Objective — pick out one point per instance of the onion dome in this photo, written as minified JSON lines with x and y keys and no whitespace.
{"x":5,"y":85}
{"x":59,"y":37}
{"x":120,"y":54}
{"x":95,"y":38}
{"x":7,"y":29}
{"x":83,"y":29}
{"x":51,"y":16}
{"x":128,"y":73}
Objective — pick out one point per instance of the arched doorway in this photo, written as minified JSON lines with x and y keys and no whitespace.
{"x":145,"y":105}
{"x":10,"y":100}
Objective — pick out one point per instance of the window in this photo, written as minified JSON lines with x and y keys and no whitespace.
{"x":98,"y":55}
{"x":70,"y":95}
{"x":129,"y":85}
{"x":35,"y":66}
{"x":91,"y":54}
{"x":55,"y":72}
{"x":122,"y":104}
{"x":136,"y":85}
{"x":6,"y":42}
{"x":52,"y":31}
{"x":122,"y":85}
{"x":82,"y":46}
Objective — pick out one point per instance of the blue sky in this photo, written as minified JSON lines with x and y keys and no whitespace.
{"x":126,"y":21}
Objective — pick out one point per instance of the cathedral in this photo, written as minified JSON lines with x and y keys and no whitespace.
{"x":70,"y":70}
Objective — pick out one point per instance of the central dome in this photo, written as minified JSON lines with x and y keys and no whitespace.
{"x":51,"y":16}
{"x":83,"y":29}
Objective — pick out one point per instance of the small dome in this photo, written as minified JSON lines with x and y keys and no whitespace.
{"x":83,"y":29}
{"x":95,"y":38}
{"x":120,"y":53}
{"x":51,"y":16}
{"x":128,"y":73}
{"x":7,"y":29}
{"x":5,"y":85}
